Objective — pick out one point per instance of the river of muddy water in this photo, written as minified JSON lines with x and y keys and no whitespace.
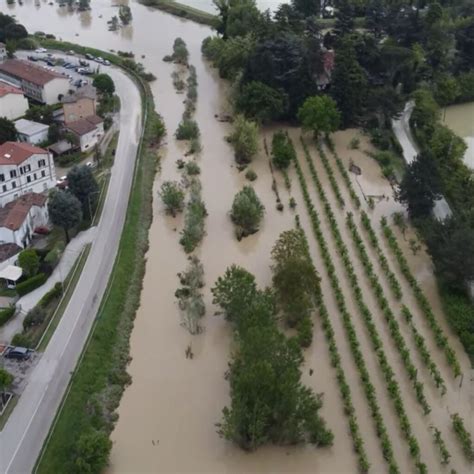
{"x":460,"y":119}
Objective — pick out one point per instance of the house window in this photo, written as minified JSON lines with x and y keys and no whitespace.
{"x":13,"y":174}
{"x":41,"y":163}
{"x":43,"y":173}
{"x":2,"y":177}
{"x":13,"y":184}
{"x":4,"y":187}
{"x":28,"y":179}
{"x":34,"y":176}
{"x":21,"y":170}
{"x":28,"y":168}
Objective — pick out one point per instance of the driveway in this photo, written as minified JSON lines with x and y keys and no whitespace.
{"x":25,"y":432}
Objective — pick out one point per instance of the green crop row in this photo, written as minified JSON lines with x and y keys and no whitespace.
{"x":443,"y":450}
{"x":391,"y":277}
{"x":463,"y":436}
{"x":345,"y":177}
{"x":344,"y":387}
{"x":423,"y":303}
{"x":392,"y":322}
{"x":392,"y":386}
{"x":332,"y":179}
{"x":424,"y":352}
{"x":368,"y":387}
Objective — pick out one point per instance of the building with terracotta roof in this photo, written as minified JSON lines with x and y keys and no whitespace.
{"x":89,"y":130}
{"x":24,"y":168}
{"x":79,"y":105}
{"x":38,"y":83}
{"x":13,"y":103}
{"x":19,"y":218}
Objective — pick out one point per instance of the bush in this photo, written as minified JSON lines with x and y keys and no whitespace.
{"x":251,"y":175}
{"x":31,"y":284}
{"x":354,"y":143}
{"x":92,"y":452}
{"x":6,"y":314}
{"x":196,"y":212}
{"x":466,"y":87}
{"x":247,"y":212}
{"x":187,"y":130}
{"x":192,"y":168}
{"x":51,"y":295}
{"x":244,"y":139}
{"x":29,"y":261}
{"x":195,"y":146}
{"x":34,"y":317}
{"x":54,"y":255}
{"x":172,"y":196}
{"x":22,"y":340}
{"x":282,"y":150}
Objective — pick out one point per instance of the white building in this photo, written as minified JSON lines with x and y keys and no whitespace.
{"x":89,"y":131}
{"x":13,"y":103}
{"x":24,"y":168}
{"x":38,"y":83}
{"x":19,"y":218}
{"x":31,"y":132}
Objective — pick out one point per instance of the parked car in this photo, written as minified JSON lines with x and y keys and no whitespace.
{"x":41,"y":50}
{"x":18,"y":353}
{"x":89,"y":56}
{"x":32,"y":58}
{"x":70,"y":53}
{"x":106,"y":62}
{"x":83,"y":63}
{"x":42,"y":230}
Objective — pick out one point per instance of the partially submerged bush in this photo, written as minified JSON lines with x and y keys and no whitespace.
{"x":282,"y":150}
{"x":172,"y":196}
{"x":192,"y":168}
{"x":187,"y":130}
{"x":247,"y":212}
{"x":195,"y":214}
{"x":251,"y":175}
{"x":244,"y":139}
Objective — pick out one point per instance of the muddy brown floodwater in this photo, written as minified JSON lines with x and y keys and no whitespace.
{"x":167,"y":415}
{"x":460,"y":119}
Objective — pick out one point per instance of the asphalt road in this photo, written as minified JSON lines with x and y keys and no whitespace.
{"x":22,"y":437}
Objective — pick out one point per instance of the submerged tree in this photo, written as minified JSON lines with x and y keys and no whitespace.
{"x":247,"y":212}
{"x":282,"y":150}
{"x":125,"y":14}
{"x":172,"y":196}
{"x":244,"y":139}
{"x":320,"y":115}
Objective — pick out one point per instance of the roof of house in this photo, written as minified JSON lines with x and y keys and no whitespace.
{"x":6,"y":89}
{"x":12,"y":273}
{"x":28,"y":127}
{"x":14,"y":153}
{"x":29,"y":72}
{"x":85,"y":92}
{"x":8,"y":249}
{"x":84,"y":126}
{"x":14,"y":213}
{"x":60,"y":147}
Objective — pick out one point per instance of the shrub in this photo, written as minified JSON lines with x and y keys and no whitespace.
{"x":31,"y":284}
{"x":282,"y":150}
{"x":247,"y":212}
{"x":354,"y":143}
{"x":92,"y":452}
{"x":6,"y":314}
{"x":29,"y":262}
{"x":244,"y":139}
{"x":54,"y":255}
{"x":180,"y":51}
{"x":21,"y":339}
{"x":195,"y":146}
{"x":195,"y":214}
{"x":55,"y":292}
{"x":34,"y":317}
{"x":172,"y":196}
{"x":251,"y":175}
{"x":187,"y":130}
{"x":192,"y":168}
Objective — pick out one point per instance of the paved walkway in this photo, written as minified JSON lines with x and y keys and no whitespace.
{"x":61,"y":271}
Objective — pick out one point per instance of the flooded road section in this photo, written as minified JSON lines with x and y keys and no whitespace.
{"x":167,"y":415}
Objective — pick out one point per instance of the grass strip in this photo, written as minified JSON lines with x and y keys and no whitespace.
{"x":422,"y":300}
{"x":8,"y":411}
{"x":392,"y":386}
{"x":100,"y":378}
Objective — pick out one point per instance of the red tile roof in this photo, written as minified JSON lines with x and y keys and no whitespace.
{"x":6,"y":89}
{"x":29,"y":72}
{"x":85,"y":125}
{"x":13,"y":214}
{"x":14,"y":153}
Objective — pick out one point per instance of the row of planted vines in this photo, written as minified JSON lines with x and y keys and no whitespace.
{"x":461,"y":433}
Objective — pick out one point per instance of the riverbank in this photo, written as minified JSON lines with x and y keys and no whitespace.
{"x":101,"y":374}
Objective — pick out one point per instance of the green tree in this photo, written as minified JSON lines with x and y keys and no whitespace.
{"x":420,"y":186}
{"x":243,"y":17}
{"x":261,"y":103}
{"x":446,"y":90}
{"x":92,"y":452}
{"x":83,"y":185}
{"x":84,"y":5}
{"x":344,"y":18}
{"x":40,"y":113}
{"x":172,"y":196}
{"x":349,"y":84}
{"x":8,"y":131}
{"x":319,"y":114}
{"x":104,"y":84}
{"x":244,"y":139}
{"x":64,"y":210}
{"x":282,"y":150}
{"x":125,"y":14}
{"x":234,"y":55}
{"x":180,"y":51}
{"x":247,"y":212}
{"x":29,"y":261}
{"x":306,"y":7}
{"x":6,"y":379}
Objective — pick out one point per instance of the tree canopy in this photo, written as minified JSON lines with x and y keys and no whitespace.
{"x":244,"y":139}
{"x":247,"y":212}
{"x":320,"y":115}
{"x":65,"y":210}
{"x":29,"y":261}
{"x":8,"y":131}
{"x":83,"y":185}
{"x":104,"y":84}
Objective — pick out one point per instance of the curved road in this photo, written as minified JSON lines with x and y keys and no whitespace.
{"x":25,"y":432}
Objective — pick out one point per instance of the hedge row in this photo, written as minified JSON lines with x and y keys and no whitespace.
{"x":6,"y":314}
{"x":344,"y":387}
{"x":392,"y":386}
{"x":393,"y":326}
{"x":332,"y":179}
{"x":424,"y":352}
{"x":423,"y":303}
{"x":31,"y":284}
{"x":345,"y":175}
{"x":391,"y":277}
{"x":367,"y":385}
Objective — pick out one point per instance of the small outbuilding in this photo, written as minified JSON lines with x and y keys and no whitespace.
{"x":11,"y":275}
{"x":31,"y":132}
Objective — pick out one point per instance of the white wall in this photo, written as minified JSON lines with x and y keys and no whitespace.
{"x":34,"y":139}
{"x":53,"y":88}
{"x":13,"y":106}
{"x":89,"y":140}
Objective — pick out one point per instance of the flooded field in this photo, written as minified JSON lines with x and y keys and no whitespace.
{"x":460,"y":119}
{"x":167,"y":415}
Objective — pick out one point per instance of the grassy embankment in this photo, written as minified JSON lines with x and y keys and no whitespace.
{"x":100,"y":377}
